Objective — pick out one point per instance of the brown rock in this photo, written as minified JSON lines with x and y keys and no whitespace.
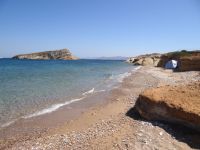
{"x":178,"y":104}
{"x":189,"y":63}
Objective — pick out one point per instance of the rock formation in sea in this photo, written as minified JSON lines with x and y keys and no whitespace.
{"x":62,"y":54}
{"x":176,"y":104}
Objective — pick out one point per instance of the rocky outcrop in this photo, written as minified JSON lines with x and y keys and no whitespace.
{"x":175,"y":104}
{"x":63,"y":54}
{"x":145,"y":60}
{"x":189,"y":64}
{"x":187,"y":60}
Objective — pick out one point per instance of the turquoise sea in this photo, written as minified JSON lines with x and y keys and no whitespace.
{"x":34,"y":87}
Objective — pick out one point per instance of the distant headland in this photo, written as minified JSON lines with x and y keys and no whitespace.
{"x":62,"y":54}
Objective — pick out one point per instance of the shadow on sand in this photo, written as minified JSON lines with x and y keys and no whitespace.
{"x":181,"y":133}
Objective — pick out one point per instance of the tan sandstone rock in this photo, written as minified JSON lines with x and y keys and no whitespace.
{"x":175,"y":104}
{"x":148,"y":61}
{"x":145,"y":60}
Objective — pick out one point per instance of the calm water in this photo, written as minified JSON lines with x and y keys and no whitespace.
{"x":29,"y":88}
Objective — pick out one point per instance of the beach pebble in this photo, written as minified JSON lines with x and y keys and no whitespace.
{"x":161,"y":133}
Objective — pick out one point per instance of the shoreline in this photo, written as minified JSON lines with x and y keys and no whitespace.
{"x":108,"y":117}
{"x":44,"y":119}
{"x":57,"y":106}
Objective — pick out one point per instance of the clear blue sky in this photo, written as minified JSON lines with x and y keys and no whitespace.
{"x":99,"y":27}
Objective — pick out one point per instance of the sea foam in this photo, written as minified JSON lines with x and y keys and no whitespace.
{"x":52,"y":108}
{"x":88,"y":92}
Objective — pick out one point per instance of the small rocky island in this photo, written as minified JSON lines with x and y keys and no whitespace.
{"x":62,"y":54}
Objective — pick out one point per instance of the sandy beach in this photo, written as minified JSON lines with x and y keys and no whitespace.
{"x":111,"y":123}
{"x":99,"y":75}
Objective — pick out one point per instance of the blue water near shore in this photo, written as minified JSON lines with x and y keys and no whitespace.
{"x":33,"y":87}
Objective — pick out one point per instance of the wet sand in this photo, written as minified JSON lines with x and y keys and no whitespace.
{"x":39,"y":125}
{"x":103,"y":121}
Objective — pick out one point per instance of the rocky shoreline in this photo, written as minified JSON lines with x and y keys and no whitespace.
{"x":187,"y":60}
{"x":116,"y":124}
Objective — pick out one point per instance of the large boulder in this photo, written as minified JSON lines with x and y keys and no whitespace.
{"x":138,"y":61}
{"x":145,"y":60}
{"x":175,"y":104}
{"x":156,"y":61}
{"x":148,"y":61}
{"x":63,"y":54}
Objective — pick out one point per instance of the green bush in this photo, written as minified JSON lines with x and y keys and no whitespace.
{"x":180,"y":53}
